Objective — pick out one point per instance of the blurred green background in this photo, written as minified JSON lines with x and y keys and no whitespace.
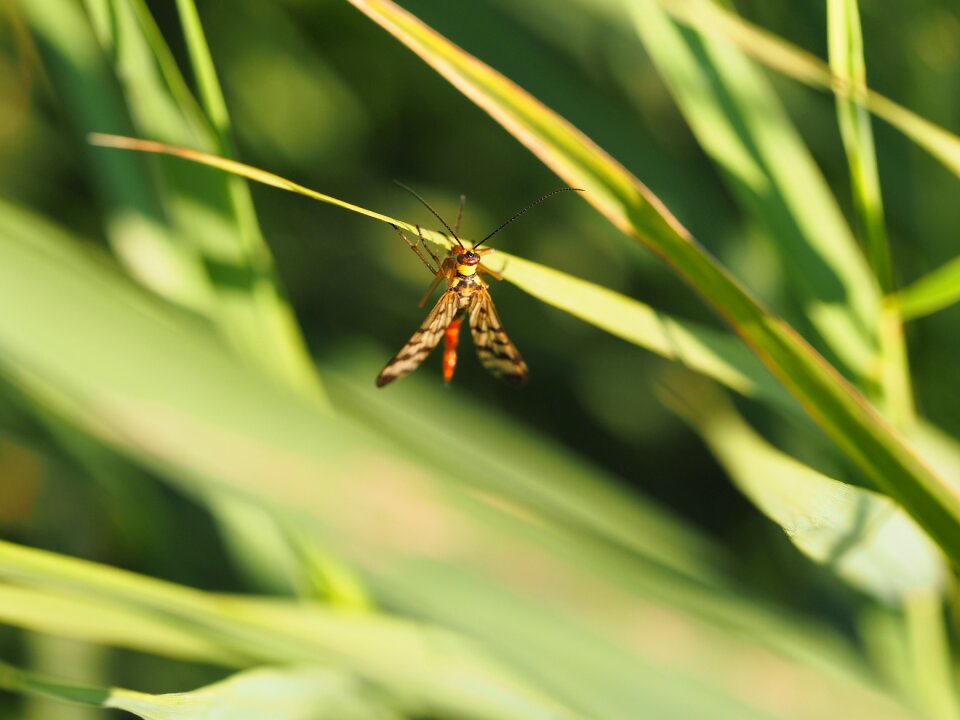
{"x":319,"y":94}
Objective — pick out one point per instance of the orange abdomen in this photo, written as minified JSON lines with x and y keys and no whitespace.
{"x":450,"y":340}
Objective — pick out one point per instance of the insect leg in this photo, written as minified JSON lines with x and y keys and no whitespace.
{"x":491,"y":273}
{"x":413,"y":246}
{"x":443,"y":272}
{"x":427,"y":248}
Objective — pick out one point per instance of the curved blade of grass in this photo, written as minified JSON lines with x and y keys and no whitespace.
{"x":712,"y":352}
{"x":863,"y":537}
{"x":292,"y":693}
{"x":933,"y":292}
{"x":843,"y":414}
{"x":712,"y":20}
{"x":739,"y":121}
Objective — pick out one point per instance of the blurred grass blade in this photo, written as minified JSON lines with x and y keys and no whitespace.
{"x":434,"y":671}
{"x":204,"y":247}
{"x":772,"y":173}
{"x":715,"y":353}
{"x":863,"y":537}
{"x":293,"y":693}
{"x":847,"y":64}
{"x":456,"y":553}
{"x":933,"y":292}
{"x":712,"y":20}
{"x":629,"y":205}
{"x":137,"y":226}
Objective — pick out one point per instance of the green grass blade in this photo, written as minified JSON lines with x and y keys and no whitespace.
{"x":293,"y":693}
{"x":847,"y":63}
{"x":713,"y":20}
{"x":432,"y":670}
{"x":933,"y":292}
{"x":712,"y":352}
{"x":863,"y":537}
{"x":771,"y":172}
{"x":843,"y":414}
{"x":214,"y":258}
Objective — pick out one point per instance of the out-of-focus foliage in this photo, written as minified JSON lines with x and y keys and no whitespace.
{"x":187,"y":364}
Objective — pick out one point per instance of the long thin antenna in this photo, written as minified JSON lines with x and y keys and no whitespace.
{"x":528,"y":207}
{"x":435,"y":213}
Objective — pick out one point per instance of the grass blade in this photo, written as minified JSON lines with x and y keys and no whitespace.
{"x":715,"y":353}
{"x":293,"y":693}
{"x":862,"y":536}
{"x":712,"y":20}
{"x":771,"y":172}
{"x":847,"y":64}
{"x":933,"y":292}
{"x":843,"y":414}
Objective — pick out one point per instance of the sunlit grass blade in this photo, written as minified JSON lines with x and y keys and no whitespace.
{"x":863,"y":537}
{"x":853,"y":425}
{"x":712,"y":352}
{"x":847,"y":63}
{"x":771,"y":172}
{"x":933,"y":292}
{"x":713,"y":20}
{"x":433,"y":671}
{"x":291,"y":693}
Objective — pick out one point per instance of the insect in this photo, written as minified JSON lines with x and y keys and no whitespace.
{"x":467,"y":296}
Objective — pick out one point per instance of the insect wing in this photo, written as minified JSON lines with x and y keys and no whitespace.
{"x":423,"y":341}
{"x":497,"y":354}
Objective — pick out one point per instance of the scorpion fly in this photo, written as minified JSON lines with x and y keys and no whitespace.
{"x":467,"y":296}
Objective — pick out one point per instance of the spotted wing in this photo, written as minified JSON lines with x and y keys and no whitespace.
{"x":423,"y":341}
{"x":496,"y":352}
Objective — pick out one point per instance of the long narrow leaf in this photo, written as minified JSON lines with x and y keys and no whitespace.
{"x":712,"y":352}
{"x":776,"y":179}
{"x":933,"y":292}
{"x":713,"y":20}
{"x":294,"y":693}
{"x":860,"y":535}
{"x":628,"y":204}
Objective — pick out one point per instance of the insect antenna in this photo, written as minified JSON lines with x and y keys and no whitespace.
{"x":435,"y":213}
{"x":521,"y":212}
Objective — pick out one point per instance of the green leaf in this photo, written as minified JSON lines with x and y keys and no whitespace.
{"x":715,"y":353}
{"x":775,"y":178}
{"x":843,"y":414}
{"x":933,"y":292}
{"x":846,"y":62}
{"x":295,"y":693}
{"x":712,"y":20}
{"x":863,"y":537}
{"x":194,"y":236}
{"x":291,"y":693}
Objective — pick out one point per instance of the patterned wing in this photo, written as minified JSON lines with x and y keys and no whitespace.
{"x":496,"y":352}
{"x":423,"y":341}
